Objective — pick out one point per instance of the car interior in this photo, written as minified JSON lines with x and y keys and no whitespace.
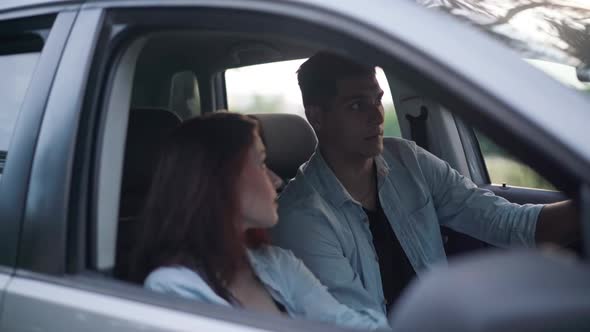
{"x":175,"y":80}
{"x":163,"y":90}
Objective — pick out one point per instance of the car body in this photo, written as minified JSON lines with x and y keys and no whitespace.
{"x":60,"y":188}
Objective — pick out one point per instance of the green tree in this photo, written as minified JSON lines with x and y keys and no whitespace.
{"x":391,"y":124}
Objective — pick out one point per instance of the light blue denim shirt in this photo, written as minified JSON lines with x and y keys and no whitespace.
{"x":287,"y":280}
{"x":325,"y":227}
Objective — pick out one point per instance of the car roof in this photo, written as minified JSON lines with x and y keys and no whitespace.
{"x":7,"y":5}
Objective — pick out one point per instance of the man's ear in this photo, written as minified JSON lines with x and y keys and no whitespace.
{"x":314,"y":116}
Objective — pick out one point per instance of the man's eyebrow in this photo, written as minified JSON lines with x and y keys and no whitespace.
{"x":361,"y":96}
{"x":354,"y":97}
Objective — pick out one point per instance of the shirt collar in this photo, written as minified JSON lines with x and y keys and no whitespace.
{"x":328,"y":185}
{"x":259,"y":261}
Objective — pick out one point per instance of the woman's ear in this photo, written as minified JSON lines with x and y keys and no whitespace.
{"x":314,"y":116}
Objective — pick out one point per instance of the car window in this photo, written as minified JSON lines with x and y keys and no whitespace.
{"x":503,"y":168}
{"x":273,"y":88}
{"x":506,"y":169}
{"x":17,"y":70}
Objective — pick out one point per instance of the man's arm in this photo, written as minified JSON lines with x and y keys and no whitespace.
{"x":313,"y":240}
{"x":558,"y":223}
{"x":491,"y":218}
{"x":465,"y":208}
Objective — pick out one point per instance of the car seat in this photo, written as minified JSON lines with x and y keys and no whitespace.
{"x":290,"y":141}
{"x":147,"y":127}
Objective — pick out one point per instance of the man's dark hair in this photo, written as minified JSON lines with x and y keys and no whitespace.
{"x":318,"y":76}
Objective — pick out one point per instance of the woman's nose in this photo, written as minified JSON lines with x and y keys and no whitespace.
{"x":277,"y":182}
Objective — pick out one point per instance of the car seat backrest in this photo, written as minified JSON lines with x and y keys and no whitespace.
{"x":146,"y":130}
{"x":290,"y":141}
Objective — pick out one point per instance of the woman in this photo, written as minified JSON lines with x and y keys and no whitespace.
{"x":204,"y":237}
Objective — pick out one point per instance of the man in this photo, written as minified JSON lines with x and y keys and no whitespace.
{"x":365,"y":217}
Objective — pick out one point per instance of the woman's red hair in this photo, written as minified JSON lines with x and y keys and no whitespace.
{"x":191,"y":217}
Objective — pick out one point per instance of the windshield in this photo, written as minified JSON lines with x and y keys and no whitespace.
{"x":553,"y":35}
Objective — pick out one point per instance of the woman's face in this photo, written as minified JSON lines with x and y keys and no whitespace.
{"x":258,"y":189}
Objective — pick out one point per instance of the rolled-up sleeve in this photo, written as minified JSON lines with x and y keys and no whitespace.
{"x":462,"y":206}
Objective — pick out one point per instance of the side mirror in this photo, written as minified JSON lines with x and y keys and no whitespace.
{"x":583,"y":73}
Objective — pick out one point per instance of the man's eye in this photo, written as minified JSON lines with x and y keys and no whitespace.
{"x":355,"y":106}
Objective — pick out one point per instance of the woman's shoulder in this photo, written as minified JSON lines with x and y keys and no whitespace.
{"x":278,"y":263}
{"x":273,"y":255}
{"x":167,"y":277}
{"x":182,"y":281}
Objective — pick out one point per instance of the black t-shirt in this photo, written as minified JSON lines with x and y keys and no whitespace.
{"x":396,"y":270}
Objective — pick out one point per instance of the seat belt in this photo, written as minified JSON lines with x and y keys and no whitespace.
{"x":418,"y":127}
{"x":419,"y":135}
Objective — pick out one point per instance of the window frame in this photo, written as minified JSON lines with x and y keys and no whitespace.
{"x":18,"y":165}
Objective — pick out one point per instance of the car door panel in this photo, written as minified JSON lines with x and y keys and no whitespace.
{"x":525,"y":195}
{"x":34,"y":305}
{"x":4,"y":280}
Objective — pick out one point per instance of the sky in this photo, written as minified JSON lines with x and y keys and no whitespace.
{"x":276,"y":79}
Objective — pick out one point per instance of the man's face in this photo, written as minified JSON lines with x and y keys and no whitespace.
{"x":351,"y":125}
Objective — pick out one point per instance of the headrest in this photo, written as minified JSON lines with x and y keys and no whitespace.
{"x":290,"y":141}
{"x":146,"y":129}
{"x":184,"y":95}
